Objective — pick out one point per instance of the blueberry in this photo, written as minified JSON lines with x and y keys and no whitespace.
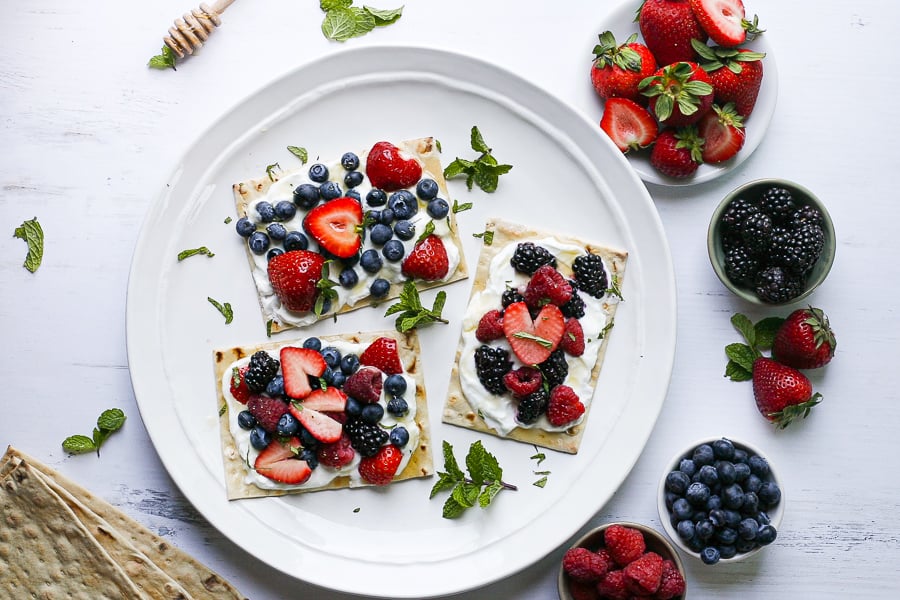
{"x":399,"y":436}
{"x":708,"y":475}
{"x":330,"y":190}
{"x":403,"y":203}
{"x":741,"y":471}
{"x":703,"y":455}
{"x":697,"y":494}
{"x":306,"y":195}
{"x":766,"y":535}
{"x":405,"y":230}
{"x":740,"y":456}
{"x":687,"y":466}
{"x":332,"y":357}
{"x":727,"y":550}
{"x":246,"y":420}
{"x":276,"y":231}
{"x":273,"y":253}
{"x":244,"y":227}
{"x":258,"y":242}
{"x":380,"y":234}
{"x":769,"y":494}
{"x":670,"y":499}
{"x":682,"y":509}
{"x":752,"y":484}
{"x":714,"y":502}
{"x":348,"y":278}
{"x":723,"y":449}
{"x":353,"y":407}
{"x":733,"y":496}
{"x":353,"y":194}
{"x":259,"y":438}
{"x":371,"y":413}
{"x":696,"y":544}
{"x":762,"y":517}
{"x":685,"y":529}
{"x":275,"y":387}
{"x":750,"y":504}
{"x":353,"y":179}
{"x":710,"y":555}
{"x":350,"y":261}
{"x":265,"y":211}
{"x":296,"y":240}
{"x":393,"y":250}
{"x":437,"y":208}
{"x":717,"y":518}
{"x":287,"y":425}
{"x":727,"y":474}
{"x":313,"y":343}
{"x":285,"y":210}
{"x":318,"y":172}
{"x":380,"y":287}
{"x":349,"y":364}
{"x":370,"y":261}
{"x":337,"y":379}
{"x":732,"y":518}
{"x":376,"y":197}
{"x":747,"y":529}
{"x":427,"y":188}
{"x":742,"y":545}
{"x":678,"y":482}
{"x":386,"y":216}
{"x":350,"y":161}
{"x":397,"y":406}
{"x":395,"y":384}
{"x":705,"y":529}
{"x":307,"y":439}
{"x":759,"y":466}
{"x":310,"y":456}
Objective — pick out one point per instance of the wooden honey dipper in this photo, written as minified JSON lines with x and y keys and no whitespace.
{"x":189,"y":32}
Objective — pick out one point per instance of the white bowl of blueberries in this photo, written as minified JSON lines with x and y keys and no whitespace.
{"x":720,"y":501}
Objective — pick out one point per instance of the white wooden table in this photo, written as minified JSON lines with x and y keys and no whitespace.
{"x":89,"y":135}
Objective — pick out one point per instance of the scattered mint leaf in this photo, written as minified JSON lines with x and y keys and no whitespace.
{"x":437,"y":144}
{"x":78,"y":444}
{"x":486,"y":236}
{"x":270,"y":171}
{"x":164,"y":60}
{"x":538,"y":456}
{"x":484,"y":482}
{"x":386,"y":17}
{"x":605,"y":331}
{"x":411,"y":313}
{"x":344,"y":21}
{"x":765,"y":331}
{"x":269,"y":324}
{"x":299,"y":152}
{"x":745,"y":328}
{"x":339,"y":24}
{"x":109,"y":421}
{"x":484,"y":171}
{"x":429,"y":229}
{"x":614,"y":289}
{"x":227,"y":220}
{"x":327,"y":295}
{"x":328,"y":5}
{"x":225,"y":309}
{"x":458,"y":208}
{"x":356,"y":510}
{"x":364,"y":22}
{"x":33,"y":234}
{"x":202,"y":250}
{"x":540,"y":482}
{"x":222,"y":409}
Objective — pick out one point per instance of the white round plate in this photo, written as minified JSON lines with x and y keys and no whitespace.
{"x":393,"y":541}
{"x":621,"y":23}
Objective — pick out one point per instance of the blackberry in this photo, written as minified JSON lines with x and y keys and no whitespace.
{"x":261,"y":371}
{"x":529,"y":257}
{"x":365,"y":438}
{"x":735,"y":214}
{"x":806,"y":214}
{"x":492,"y":364}
{"x":756,"y":232}
{"x":511,"y":296}
{"x":555,"y":369}
{"x":532,"y":406}
{"x":574,"y":308}
{"x":590,"y":275}
{"x":778,"y":203}
{"x":775,"y":285}
{"x":797,"y":250}
{"x":741,"y":265}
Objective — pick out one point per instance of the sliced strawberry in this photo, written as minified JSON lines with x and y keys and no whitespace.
{"x":628,"y":124}
{"x":294,"y":276}
{"x":532,"y":341}
{"x":238,"y":386}
{"x":297,"y":365}
{"x":279,"y":462}
{"x":722,"y":130}
{"x":331,"y":399}
{"x":572,"y":341}
{"x":723,"y":20}
{"x":319,"y":425}
{"x":389,"y":170}
{"x":364,"y":385}
{"x":427,"y":261}
{"x":336,"y":454}
{"x":336,"y":226}
{"x":382,"y":354}
{"x":380,"y":469}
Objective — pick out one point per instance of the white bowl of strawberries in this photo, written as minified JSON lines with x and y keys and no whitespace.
{"x":689,"y":95}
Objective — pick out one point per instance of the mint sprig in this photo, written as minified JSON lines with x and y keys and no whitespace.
{"x":164,"y":60}
{"x":484,"y":482}
{"x":110,"y":421}
{"x":201,"y":251}
{"x":224,"y":308}
{"x":411,"y":311}
{"x":299,"y":152}
{"x":757,"y":337}
{"x":344,"y":21}
{"x":33,"y":234}
{"x":484,"y":171}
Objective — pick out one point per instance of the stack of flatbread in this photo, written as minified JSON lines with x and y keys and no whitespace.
{"x":58,"y":541}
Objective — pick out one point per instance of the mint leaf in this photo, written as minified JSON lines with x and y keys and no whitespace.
{"x":78,"y":444}
{"x":482,"y":485}
{"x":765,"y":331}
{"x":736,"y":372}
{"x":476,"y":140}
{"x":450,"y":464}
{"x":452,"y":509}
{"x":486,"y":236}
{"x":458,"y":208}
{"x":491,"y":467}
{"x":339,"y":25}
{"x":225,"y":309}
{"x":111,"y":419}
{"x":484,"y":171}
{"x":385,"y":17}
{"x":458,"y":167}
{"x":412,"y":313}
{"x":164,"y":60}
{"x":227,"y":220}
{"x":429,"y":229}
{"x":745,"y":328}
{"x":329,"y":5}
{"x":108,"y":422}
{"x":33,"y":234}
{"x":445,"y":482}
{"x":487,"y":495}
{"x":299,"y":152}
{"x":270,"y":170}
{"x":540,"y":482}
{"x":202,"y":250}
{"x":466,"y":494}
{"x":475,"y":463}
{"x":364,"y":22}
{"x":742,"y":354}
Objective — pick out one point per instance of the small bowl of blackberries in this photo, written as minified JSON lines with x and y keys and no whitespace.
{"x":771,"y":241}
{"x":720,"y":501}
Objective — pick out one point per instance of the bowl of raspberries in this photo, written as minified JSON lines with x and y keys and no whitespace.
{"x":720,"y":501}
{"x":771,"y":242}
{"x":621,"y":560}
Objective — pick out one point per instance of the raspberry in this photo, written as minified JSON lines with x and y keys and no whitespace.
{"x":490,"y":327}
{"x":336,"y":454}
{"x":491,"y":364}
{"x":643,"y":575}
{"x":261,"y":370}
{"x":532,"y":406}
{"x":572,"y":341}
{"x":511,"y":296}
{"x":574,"y":308}
{"x":564,"y":406}
{"x":672,"y":583}
{"x":555,"y":369}
{"x":583,"y":591}
{"x":364,"y":385}
{"x":380,"y":468}
{"x":238,"y":387}
{"x":547,"y":286}
{"x":523,"y":381}
{"x":528,"y":257}
{"x":590,"y":275}
{"x":613,"y":586}
{"x":365,"y":438}
{"x":584,"y":565}
{"x":267,"y":411}
{"x":624,"y":544}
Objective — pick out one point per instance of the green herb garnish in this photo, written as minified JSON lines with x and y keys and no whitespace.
{"x":344,"y":21}
{"x":327,"y":293}
{"x":412,"y":313}
{"x":484,"y":482}
{"x":202,"y":250}
{"x":164,"y":60}
{"x":429,"y":229}
{"x":484,"y":171}
{"x":225,"y":309}
{"x":270,"y":170}
{"x":487,"y":236}
{"x":31,"y":232}
{"x":299,"y":152}
{"x":227,"y":220}
{"x":458,"y":208}
{"x":111,"y":420}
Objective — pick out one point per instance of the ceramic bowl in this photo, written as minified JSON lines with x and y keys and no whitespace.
{"x":752,"y":191}
{"x":775,"y":514}
{"x":593,"y":540}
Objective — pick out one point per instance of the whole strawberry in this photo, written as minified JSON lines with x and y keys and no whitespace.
{"x":619,"y":68}
{"x":668,"y":26}
{"x":736,"y":75}
{"x":805,"y":340}
{"x":782,"y":393}
{"x":294,"y":276}
{"x":680,"y":93}
{"x":677,"y":153}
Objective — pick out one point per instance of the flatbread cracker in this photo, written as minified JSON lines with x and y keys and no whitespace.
{"x":419,"y":465}
{"x":457,"y":409}
{"x":423,"y":149}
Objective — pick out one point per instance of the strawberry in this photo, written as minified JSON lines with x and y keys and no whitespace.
{"x":671,"y":583}
{"x":294,"y":277}
{"x":380,"y":469}
{"x":267,"y":411}
{"x":389,"y":170}
{"x":532,"y":341}
{"x":238,"y":387}
{"x":572,"y":341}
{"x":723,"y":21}
{"x":644,"y":575}
{"x":612,"y":586}
{"x":427,"y":260}
{"x":364,"y":385}
{"x":722,"y":130}
{"x":336,"y":454}
{"x":584,"y":565}
{"x":628,"y":124}
{"x":329,"y":400}
{"x":677,"y":153}
{"x":680,"y":93}
{"x":624,"y":544}
{"x":336,"y":226}
{"x":382,"y":354}
{"x":805,"y":340}
{"x":564,"y":407}
{"x":547,"y":286}
{"x":319,"y":425}
{"x":735,"y":73}
{"x":668,"y":26}
{"x":523,"y":381}
{"x":279,"y":462}
{"x":618,"y":69}
{"x":782,"y":393}
{"x":297,"y":365}
{"x":490,"y":327}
